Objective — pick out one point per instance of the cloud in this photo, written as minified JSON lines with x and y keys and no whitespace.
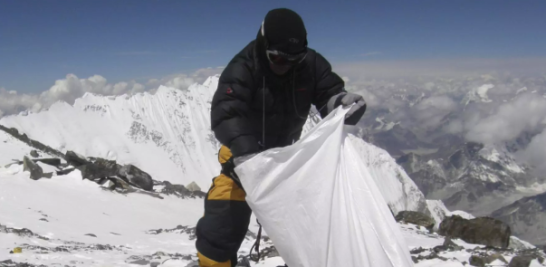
{"x":535,"y":154}
{"x":182,"y":80}
{"x":525,"y":113}
{"x":416,"y":69}
{"x":72,"y":87}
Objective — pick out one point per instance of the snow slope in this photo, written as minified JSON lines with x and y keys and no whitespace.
{"x":81,"y":224}
{"x":11,"y":149}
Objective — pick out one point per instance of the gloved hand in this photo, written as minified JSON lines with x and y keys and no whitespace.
{"x":347,"y":99}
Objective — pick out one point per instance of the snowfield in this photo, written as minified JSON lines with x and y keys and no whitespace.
{"x":76,"y":222}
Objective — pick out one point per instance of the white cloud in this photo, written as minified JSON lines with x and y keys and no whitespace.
{"x":535,"y":154}
{"x":525,"y":113}
{"x":481,"y":68}
{"x":71,"y":87}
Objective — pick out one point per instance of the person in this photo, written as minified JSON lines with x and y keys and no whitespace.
{"x":262,"y":101}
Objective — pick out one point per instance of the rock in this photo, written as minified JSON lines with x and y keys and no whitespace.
{"x":450,"y":245}
{"x":44,"y":219}
{"x":35,"y":170}
{"x":55,"y":162}
{"x":91,"y":235}
{"x":74,"y":159}
{"x":65,"y":171}
{"x":483,"y":230}
{"x":520,"y":261}
{"x":136,"y":177}
{"x":100,"y":168}
{"x":416,"y":218}
{"x":34,"y":153}
{"x":117,"y":183}
{"x":494,"y":257}
{"x":477,"y":261}
{"x":193,"y":187}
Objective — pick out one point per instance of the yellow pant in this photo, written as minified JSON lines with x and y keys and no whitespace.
{"x":223,"y":228}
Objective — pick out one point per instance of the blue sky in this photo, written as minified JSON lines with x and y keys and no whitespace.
{"x":41,"y":41}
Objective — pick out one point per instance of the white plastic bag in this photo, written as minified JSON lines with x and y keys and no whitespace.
{"x":319,"y":204}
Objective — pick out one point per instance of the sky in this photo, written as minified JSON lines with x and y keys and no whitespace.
{"x":42,"y":41}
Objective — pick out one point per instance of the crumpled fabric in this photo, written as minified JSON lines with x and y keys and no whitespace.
{"x":319,"y":204}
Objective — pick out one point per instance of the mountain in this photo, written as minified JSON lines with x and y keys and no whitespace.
{"x":167,"y":133}
{"x":472,"y":177}
{"x":526,"y":217}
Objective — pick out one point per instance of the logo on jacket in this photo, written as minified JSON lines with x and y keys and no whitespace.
{"x":229,"y":90}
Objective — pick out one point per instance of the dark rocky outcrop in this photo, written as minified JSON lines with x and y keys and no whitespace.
{"x":477,"y":261}
{"x":178,"y":190}
{"x":136,"y":177}
{"x":65,"y":171}
{"x":55,"y":162}
{"x":482,"y":230}
{"x":34,"y":153}
{"x":74,"y":159}
{"x":35,"y":170}
{"x":417,"y":218}
{"x":24,"y":232}
{"x":482,"y":261}
{"x":520,"y":261}
{"x":100,"y":168}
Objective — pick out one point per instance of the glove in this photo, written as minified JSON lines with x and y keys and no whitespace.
{"x":347,"y":99}
{"x":240,"y":159}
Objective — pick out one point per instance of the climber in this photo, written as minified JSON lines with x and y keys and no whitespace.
{"x":263,"y":99}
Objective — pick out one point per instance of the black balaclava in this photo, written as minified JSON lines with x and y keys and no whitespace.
{"x":284,"y":31}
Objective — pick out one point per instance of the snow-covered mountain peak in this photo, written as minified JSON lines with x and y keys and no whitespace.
{"x":166,"y":133}
{"x":478,"y":94}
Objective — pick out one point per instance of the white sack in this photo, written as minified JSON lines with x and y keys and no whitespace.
{"x":319,"y":204}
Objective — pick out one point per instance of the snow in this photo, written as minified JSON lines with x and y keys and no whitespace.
{"x":463,"y":214}
{"x":11,"y":149}
{"x":478,"y":94}
{"x":74,"y":207}
{"x":77,"y":207}
{"x":482,"y":92}
{"x":501,"y":155}
{"x":438,"y":211}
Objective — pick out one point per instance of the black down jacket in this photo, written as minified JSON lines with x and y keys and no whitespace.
{"x":253,"y":109}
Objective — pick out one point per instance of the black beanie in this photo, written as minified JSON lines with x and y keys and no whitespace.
{"x":284,"y":30}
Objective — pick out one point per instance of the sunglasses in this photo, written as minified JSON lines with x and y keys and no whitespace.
{"x":280,"y":58}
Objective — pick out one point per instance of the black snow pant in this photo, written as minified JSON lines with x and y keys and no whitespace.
{"x":222,"y":229}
